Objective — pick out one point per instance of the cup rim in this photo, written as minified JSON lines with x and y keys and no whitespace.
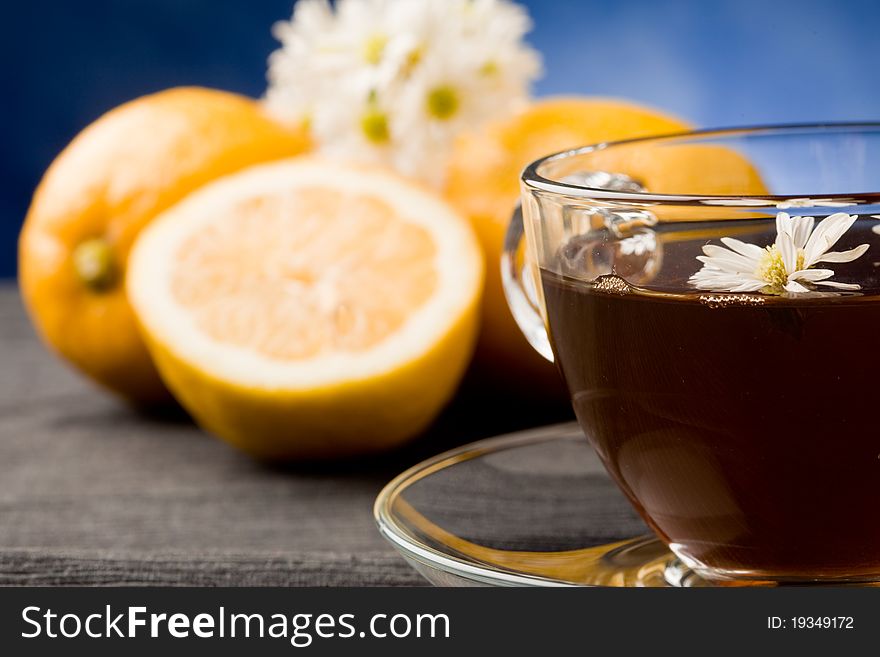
{"x":534,"y":181}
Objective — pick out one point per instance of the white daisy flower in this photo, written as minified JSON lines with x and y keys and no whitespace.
{"x":395,"y":81}
{"x":875,"y":229}
{"x":785,"y":266}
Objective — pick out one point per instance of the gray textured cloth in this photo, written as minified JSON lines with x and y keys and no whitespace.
{"x":92,"y":492}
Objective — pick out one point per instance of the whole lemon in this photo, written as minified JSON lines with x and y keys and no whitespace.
{"x":483,"y":183}
{"x":121,"y":171}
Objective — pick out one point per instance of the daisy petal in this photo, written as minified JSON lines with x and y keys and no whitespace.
{"x":722,"y":266}
{"x":803,"y":226}
{"x":788,"y":252}
{"x":840,"y":286}
{"x":844,"y":256}
{"x":829,"y":230}
{"x":727,"y":259}
{"x":703,"y":283}
{"x":811,"y":275}
{"x":749,"y":286}
{"x":719,"y":281}
{"x":744,"y":249}
{"x":782,"y":220}
{"x":794,"y":286}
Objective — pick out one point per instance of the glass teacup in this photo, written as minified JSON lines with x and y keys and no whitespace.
{"x":712,"y":300}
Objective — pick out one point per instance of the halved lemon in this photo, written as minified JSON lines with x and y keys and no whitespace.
{"x":303,"y":309}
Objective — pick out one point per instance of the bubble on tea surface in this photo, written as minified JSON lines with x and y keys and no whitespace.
{"x":612,"y":284}
{"x":728,"y":300}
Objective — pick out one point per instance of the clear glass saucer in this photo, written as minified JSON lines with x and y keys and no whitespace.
{"x":534,"y":508}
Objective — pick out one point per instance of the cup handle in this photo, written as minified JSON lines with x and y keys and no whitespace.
{"x":518,"y":282}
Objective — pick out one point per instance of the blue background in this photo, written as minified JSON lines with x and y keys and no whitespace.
{"x":722,"y":62}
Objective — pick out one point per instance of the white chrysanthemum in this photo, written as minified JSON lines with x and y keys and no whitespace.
{"x":786,"y":265}
{"x":394,"y":81}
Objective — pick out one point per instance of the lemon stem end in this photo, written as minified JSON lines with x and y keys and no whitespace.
{"x":95,"y":264}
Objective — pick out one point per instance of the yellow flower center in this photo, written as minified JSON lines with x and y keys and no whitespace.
{"x":374,"y":48}
{"x":442,"y":102}
{"x":374,"y":124}
{"x":773,"y":271}
{"x":489,"y":68}
{"x":412,"y":60}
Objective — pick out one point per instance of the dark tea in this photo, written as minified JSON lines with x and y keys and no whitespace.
{"x":743,"y":427}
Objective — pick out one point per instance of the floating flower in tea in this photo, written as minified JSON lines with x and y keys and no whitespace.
{"x":785,"y":266}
